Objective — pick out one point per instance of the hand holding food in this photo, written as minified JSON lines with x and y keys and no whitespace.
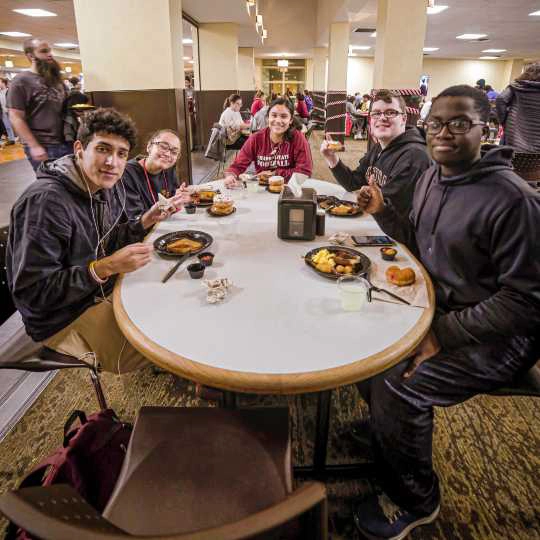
{"x":328,"y":150}
{"x":376,"y":199}
{"x":400,"y":276}
{"x":231,"y":181}
{"x":363,"y":197}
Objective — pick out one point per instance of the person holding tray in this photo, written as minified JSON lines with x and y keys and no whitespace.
{"x":280,"y":149}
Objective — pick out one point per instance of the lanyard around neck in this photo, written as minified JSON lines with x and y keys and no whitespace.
{"x":149,"y":184}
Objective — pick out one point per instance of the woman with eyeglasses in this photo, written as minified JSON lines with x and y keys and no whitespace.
{"x":146,"y":177}
{"x":397,"y":160}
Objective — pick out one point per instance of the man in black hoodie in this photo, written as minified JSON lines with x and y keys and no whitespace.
{"x":395,"y":162}
{"x":473,"y":225}
{"x":69,"y":238}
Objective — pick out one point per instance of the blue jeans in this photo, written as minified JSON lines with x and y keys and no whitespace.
{"x":7,"y":125}
{"x":54,"y":151}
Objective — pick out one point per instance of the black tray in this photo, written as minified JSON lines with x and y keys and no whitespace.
{"x":161,"y":242}
{"x":361,"y":269}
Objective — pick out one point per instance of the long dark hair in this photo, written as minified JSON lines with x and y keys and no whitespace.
{"x":233,"y":98}
{"x":289,"y":134}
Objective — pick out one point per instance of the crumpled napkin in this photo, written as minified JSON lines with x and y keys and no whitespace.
{"x":340,"y":238}
{"x":164,"y":204}
{"x":217,"y":289}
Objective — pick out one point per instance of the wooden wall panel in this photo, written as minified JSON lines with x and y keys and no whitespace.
{"x":209,"y":109}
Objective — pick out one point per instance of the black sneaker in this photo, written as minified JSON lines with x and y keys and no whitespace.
{"x":378,"y":518}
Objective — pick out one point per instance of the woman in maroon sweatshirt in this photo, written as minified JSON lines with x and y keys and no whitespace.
{"x":279,"y":149}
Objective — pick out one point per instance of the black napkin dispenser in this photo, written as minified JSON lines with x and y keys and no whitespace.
{"x":297,"y":215}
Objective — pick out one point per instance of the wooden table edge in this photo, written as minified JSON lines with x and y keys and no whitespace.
{"x":262,"y":383}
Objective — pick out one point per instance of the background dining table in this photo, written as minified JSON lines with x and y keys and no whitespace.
{"x":281,"y":329}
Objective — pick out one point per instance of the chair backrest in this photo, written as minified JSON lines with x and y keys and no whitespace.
{"x":183,"y":456}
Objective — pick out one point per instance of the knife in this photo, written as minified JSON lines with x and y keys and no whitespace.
{"x":173,"y":270}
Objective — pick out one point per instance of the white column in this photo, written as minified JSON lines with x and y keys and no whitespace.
{"x":246,"y":68}
{"x":114,"y":60}
{"x":338,"y":55}
{"x":320,"y":59}
{"x":218,"y":55}
{"x":401,"y":31}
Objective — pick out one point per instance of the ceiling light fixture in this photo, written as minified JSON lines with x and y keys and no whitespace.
{"x":35,"y":12}
{"x":494,"y":50}
{"x":434,"y":10}
{"x":191,"y":62}
{"x":67,"y":69}
{"x":489,"y":57}
{"x":374,"y":34}
{"x":67,"y":45}
{"x":187,"y":58}
{"x":535,"y":14}
{"x":360,"y":47}
{"x":283,"y":63}
{"x":15,"y":34}
{"x":187,"y":41}
{"x":470,"y":37}
{"x":430,"y":49}
{"x":8,"y":63}
{"x":249,"y":5}
{"x":264,"y":33}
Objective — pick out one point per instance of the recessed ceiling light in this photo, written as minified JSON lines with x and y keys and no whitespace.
{"x":430,"y":49}
{"x":535,"y":14}
{"x":187,"y":41}
{"x":360,"y":47}
{"x":35,"y":12}
{"x":374,"y":34}
{"x":191,"y":62}
{"x":494,"y":50}
{"x":435,"y":9}
{"x":66,"y":45}
{"x":15,"y":34}
{"x":67,"y":69}
{"x":471,"y":36}
{"x":187,"y":57}
{"x":488,"y":57}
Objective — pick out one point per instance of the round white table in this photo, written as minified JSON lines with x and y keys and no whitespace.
{"x":281,"y":329}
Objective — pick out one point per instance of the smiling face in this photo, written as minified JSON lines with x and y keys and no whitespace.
{"x":279,"y":120}
{"x":383,"y":128}
{"x":455,"y":153}
{"x":103,"y":160}
{"x":163,"y":151}
{"x":237,"y":105}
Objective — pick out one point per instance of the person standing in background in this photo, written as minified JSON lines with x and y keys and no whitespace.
{"x":258,"y":102}
{"x":309,"y":100}
{"x":35,"y":102}
{"x":3,"y":107}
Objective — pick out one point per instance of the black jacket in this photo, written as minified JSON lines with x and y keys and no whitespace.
{"x":52,"y":239}
{"x":395,"y":169}
{"x":140,"y":199}
{"x":476,"y":234}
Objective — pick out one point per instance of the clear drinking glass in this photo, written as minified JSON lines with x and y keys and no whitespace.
{"x":353,"y":291}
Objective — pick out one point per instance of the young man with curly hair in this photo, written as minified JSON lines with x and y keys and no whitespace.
{"x":70,"y":237}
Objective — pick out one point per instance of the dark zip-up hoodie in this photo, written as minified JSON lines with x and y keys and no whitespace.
{"x":396,"y":169}
{"x":476,"y":234}
{"x":53,"y":238}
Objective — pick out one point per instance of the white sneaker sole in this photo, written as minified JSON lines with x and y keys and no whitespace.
{"x":405,"y":532}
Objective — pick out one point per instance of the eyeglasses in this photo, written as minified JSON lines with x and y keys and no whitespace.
{"x":165,"y":147}
{"x":388,"y":114}
{"x":457,"y":126}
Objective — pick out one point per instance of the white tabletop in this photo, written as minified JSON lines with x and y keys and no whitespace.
{"x":280,"y":321}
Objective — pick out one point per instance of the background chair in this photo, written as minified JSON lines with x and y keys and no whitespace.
{"x":189,"y":473}
{"x":19,"y":351}
{"x":527,"y":165}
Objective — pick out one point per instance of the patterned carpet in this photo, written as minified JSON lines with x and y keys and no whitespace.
{"x":486,"y":451}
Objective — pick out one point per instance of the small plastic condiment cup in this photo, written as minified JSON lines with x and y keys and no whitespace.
{"x":190,"y":208}
{"x":196,"y":270}
{"x":206,"y":258}
{"x":353,"y":291}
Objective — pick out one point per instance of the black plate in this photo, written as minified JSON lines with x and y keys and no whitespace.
{"x":348,"y":203}
{"x":210,"y":213}
{"x":360,"y":269}
{"x":160,"y":244}
{"x":326,"y":201}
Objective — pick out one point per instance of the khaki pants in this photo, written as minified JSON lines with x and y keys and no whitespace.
{"x":96,"y":332}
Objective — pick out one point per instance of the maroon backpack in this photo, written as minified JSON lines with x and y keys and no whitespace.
{"x":89,"y":460}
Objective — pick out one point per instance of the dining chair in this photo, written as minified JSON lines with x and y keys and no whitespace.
{"x":19,"y":351}
{"x":189,"y":474}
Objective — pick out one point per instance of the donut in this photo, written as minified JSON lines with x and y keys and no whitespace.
{"x":400,"y":276}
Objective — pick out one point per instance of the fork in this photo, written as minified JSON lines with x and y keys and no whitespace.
{"x":379,"y":290}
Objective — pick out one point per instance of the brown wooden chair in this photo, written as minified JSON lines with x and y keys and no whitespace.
{"x":189,"y":474}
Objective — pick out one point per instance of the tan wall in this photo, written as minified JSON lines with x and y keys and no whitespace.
{"x":443,"y":73}
{"x":246,"y":69}
{"x":218,"y":56}
{"x":134,"y":46}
